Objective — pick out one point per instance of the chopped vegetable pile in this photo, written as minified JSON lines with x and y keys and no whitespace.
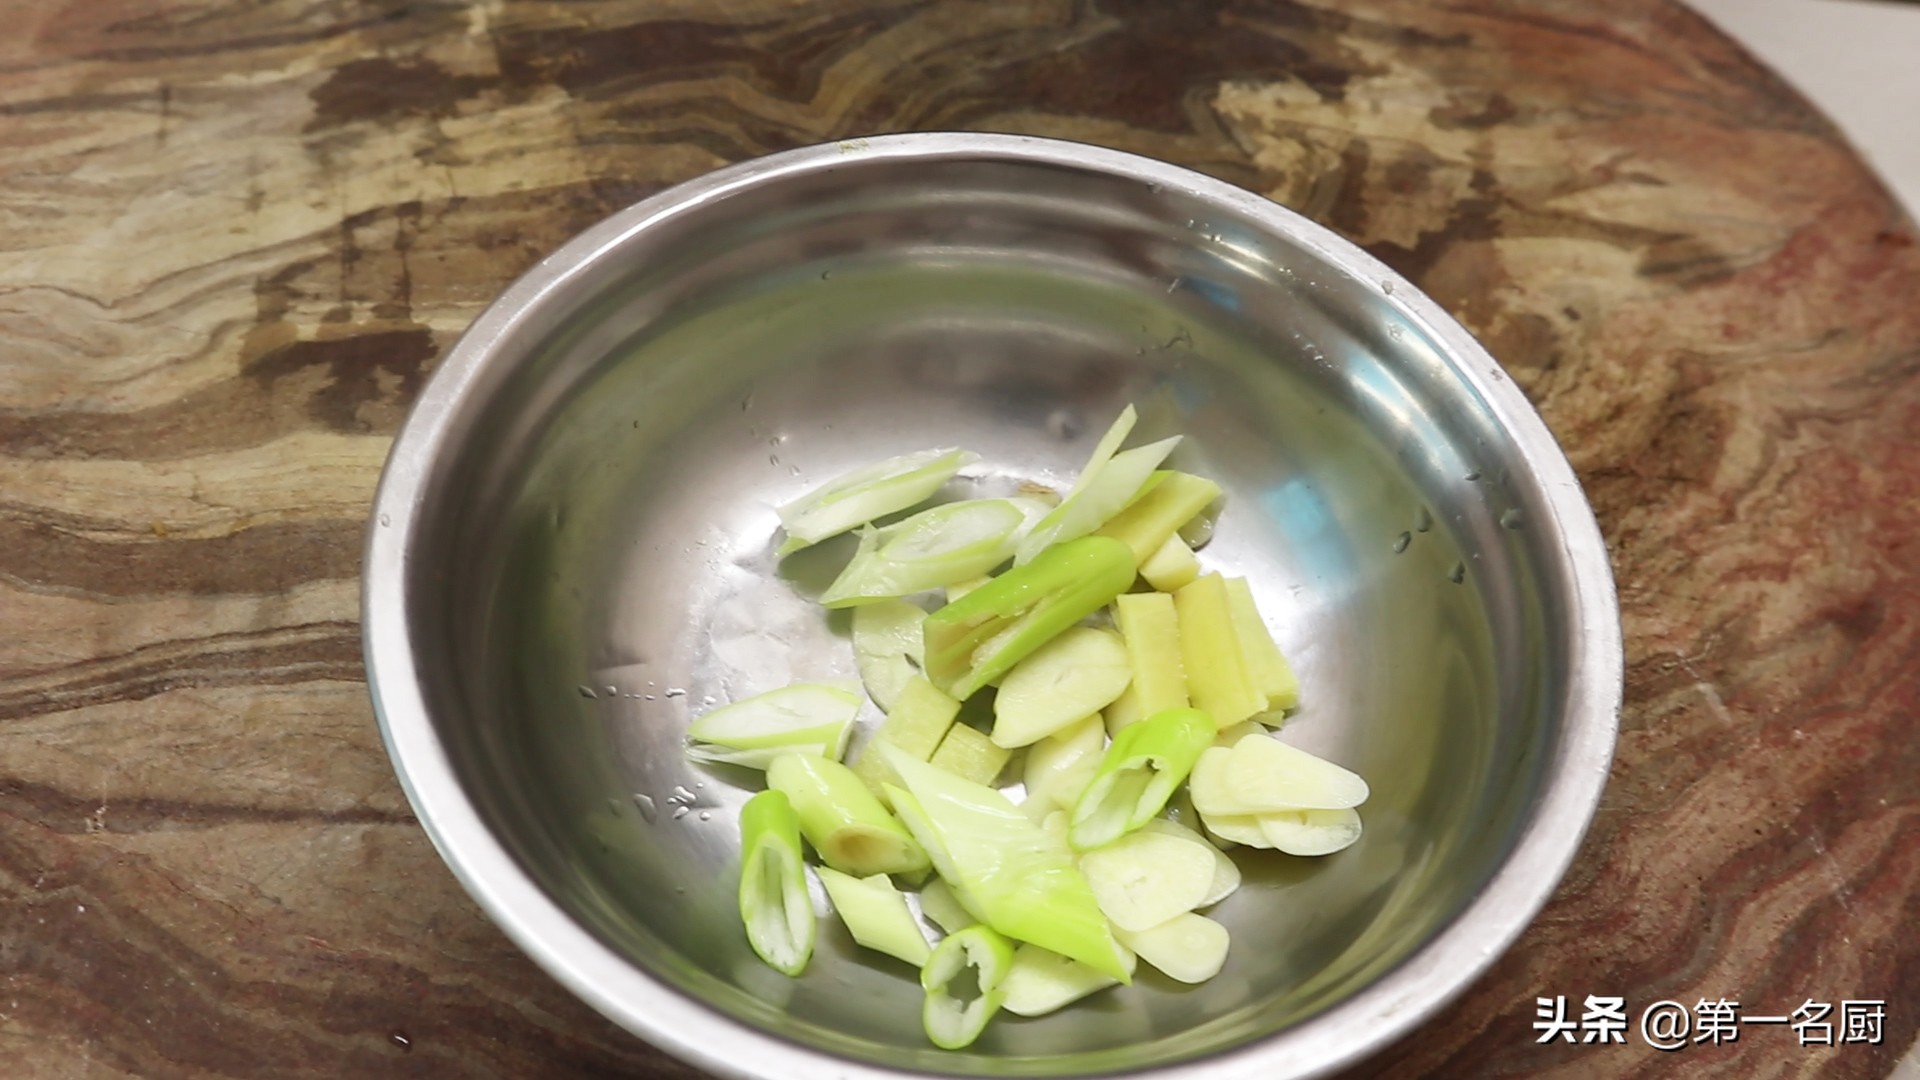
{"x":1132,"y":700}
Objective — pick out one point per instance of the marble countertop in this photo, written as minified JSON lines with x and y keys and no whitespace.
{"x":234,"y":238}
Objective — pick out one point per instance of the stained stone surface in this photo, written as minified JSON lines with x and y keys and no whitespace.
{"x":235,"y":237}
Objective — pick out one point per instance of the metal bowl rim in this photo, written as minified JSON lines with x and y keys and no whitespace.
{"x":1369,"y":1020}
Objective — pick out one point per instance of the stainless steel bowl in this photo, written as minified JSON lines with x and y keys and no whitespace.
{"x":570,"y":556}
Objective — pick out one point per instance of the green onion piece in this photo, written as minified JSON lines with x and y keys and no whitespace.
{"x":813,"y":718}
{"x":962,"y":980}
{"x":1140,"y":771}
{"x":760,"y":757}
{"x":1040,"y":535}
{"x":842,"y":819}
{"x":1155,"y":517}
{"x":1040,"y":981}
{"x":976,"y":639}
{"x":1102,"y":491}
{"x":1004,"y":868}
{"x":929,"y":550}
{"x":773,"y":887}
{"x":862,"y":495}
{"x":876,"y":914}
{"x":938,"y":903}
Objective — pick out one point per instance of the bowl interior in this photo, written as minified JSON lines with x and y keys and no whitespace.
{"x":592,"y":565}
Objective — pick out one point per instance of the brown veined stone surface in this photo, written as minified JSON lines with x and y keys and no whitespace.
{"x":234,"y":237}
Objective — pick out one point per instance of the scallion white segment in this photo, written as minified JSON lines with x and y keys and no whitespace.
{"x":876,"y":914}
{"x":805,"y":718}
{"x":962,"y":980}
{"x":858,"y":497}
{"x":938,"y":903}
{"x":930,"y":550}
{"x":1110,"y":480}
{"x":1040,"y":981}
{"x":843,"y":820}
{"x":1002,"y":866}
{"x":774,"y":904}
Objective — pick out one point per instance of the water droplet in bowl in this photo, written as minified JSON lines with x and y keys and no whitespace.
{"x":1400,"y":543}
{"x":1458,"y":574}
{"x":386,"y":519}
{"x":706,"y":815}
{"x":1512,"y":518}
{"x":674,"y":691}
{"x":1387,"y":287}
{"x":1063,"y":424}
{"x":587,"y":692}
{"x":679,"y":812}
{"x":647,"y":808}
{"x":1422,"y":520}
